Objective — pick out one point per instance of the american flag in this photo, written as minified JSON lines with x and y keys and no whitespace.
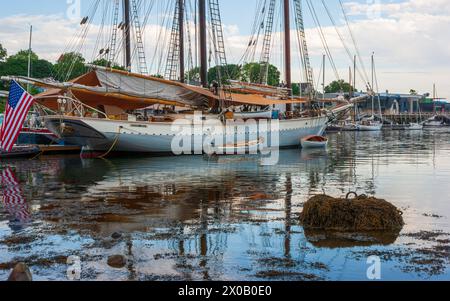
{"x":17,"y":107}
{"x":13,"y":200}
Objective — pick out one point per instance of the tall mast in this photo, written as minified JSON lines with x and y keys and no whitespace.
{"x":287,"y":43}
{"x":203,"y":48}
{"x":181,"y":38}
{"x":127,"y":34}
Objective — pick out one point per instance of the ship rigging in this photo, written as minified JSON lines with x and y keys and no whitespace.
{"x":95,"y":109}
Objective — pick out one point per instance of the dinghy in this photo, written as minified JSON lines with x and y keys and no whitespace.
{"x":314,"y":142}
{"x":253,"y":115}
{"x":240,"y":148}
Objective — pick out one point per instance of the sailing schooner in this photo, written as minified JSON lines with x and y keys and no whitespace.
{"x":98,"y":109}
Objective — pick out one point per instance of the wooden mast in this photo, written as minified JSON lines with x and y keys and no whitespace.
{"x":287,"y":49}
{"x":127,"y":34}
{"x":181,"y":38}
{"x":203,"y":42}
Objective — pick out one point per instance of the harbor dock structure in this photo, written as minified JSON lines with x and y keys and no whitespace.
{"x":401,"y":103}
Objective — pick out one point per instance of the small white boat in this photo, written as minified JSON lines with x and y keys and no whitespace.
{"x":242,"y":148}
{"x":414,"y":127}
{"x":350,"y":127}
{"x":253,"y":115}
{"x":369,"y":126}
{"x":314,"y":142}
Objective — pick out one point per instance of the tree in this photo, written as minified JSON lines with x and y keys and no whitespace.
{"x":339,"y":86}
{"x":251,"y":72}
{"x":413,"y":92}
{"x":296,"y":89}
{"x":69,"y":66}
{"x":193,"y":75}
{"x":3,"y":53}
{"x":231,"y":71}
{"x":18,"y":65}
{"x":106,"y":63}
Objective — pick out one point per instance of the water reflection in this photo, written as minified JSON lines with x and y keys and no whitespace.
{"x":188,"y":218}
{"x":12,"y":199}
{"x":333,"y":240}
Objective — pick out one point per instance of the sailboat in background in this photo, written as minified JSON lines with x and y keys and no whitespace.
{"x":371,"y":124}
{"x":435,"y":121}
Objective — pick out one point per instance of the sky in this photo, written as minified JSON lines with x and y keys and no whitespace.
{"x":410,"y":39}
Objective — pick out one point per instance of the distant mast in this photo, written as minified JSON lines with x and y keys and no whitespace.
{"x":127,"y":34}
{"x":203,"y":43}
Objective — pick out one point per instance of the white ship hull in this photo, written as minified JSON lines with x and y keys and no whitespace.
{"x":143,"y":137}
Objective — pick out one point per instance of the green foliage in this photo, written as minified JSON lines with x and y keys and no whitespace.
{"x":193,"y":74}
{"x":69,"y":66}
{"x":251,"y":72}
{"x":3,"y":53}
{"x":2,"y":104}
{"x":413,"y":92}
{"x":18,"y":65}
{"x":231,"y":71}
{"x":296,"y":89}
{"x":339,"y":86}
{"x":106,"y":63}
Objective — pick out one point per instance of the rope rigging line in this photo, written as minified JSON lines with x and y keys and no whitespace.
{"x":83,"y":41}
{"x":163,"y":44}
{"x":362,"y":74}
{"x":190,"y":64}
{"x":76,"y":43}
{"x":323,"y":38}
{"x":95,"y":53}
{"x":249,"y":53}
{"x":353,"y":39}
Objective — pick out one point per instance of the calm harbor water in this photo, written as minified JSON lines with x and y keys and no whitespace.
{"x":189,"y":218}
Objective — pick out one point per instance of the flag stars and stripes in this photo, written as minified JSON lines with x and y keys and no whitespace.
{"x":17,"y":108}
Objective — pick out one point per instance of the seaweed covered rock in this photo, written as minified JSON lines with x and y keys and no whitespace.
{"x":20,"y":273}
{"x":362,"y":213}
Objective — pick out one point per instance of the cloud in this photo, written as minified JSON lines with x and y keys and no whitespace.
{"x":411,"y":41}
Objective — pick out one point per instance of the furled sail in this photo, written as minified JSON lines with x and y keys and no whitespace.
{"x":104,"y":86}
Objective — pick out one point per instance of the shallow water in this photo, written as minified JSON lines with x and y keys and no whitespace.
{"x":189,"y":218}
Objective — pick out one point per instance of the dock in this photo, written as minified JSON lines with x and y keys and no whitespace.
{"x":414,"y":117}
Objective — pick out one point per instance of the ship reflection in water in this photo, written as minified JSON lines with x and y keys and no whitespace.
{"x":230,"y":218}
